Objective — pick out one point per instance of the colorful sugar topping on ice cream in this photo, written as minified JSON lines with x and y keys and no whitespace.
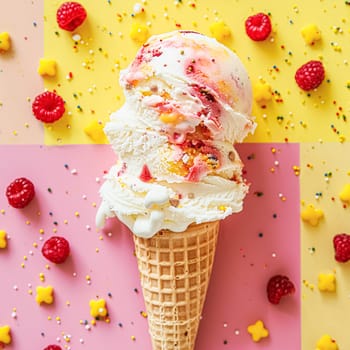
{"x":188,"y":101}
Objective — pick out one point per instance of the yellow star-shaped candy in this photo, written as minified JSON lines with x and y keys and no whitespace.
{"x":311,"y":34}
{"x":44,"y":295}
{"x":47,"y":67}
{"x":3,"y":239}
{"x":139,"y":32}
{"x":326,"y":343}
{"x":258,"y":331}
{"x":5,"y":42}
{"x":344,"y":195}
{"x":326,"y":282}
{"x":5,"y":334}
{"x":95,"y":131}
{"x":262,"y":92}
{"x":312,"y":215}
{"x":220,"y":31}
{"x":98,"y":308}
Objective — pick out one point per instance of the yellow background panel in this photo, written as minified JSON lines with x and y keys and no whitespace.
{"x":325,"y":169}
{"x":104,"y":47}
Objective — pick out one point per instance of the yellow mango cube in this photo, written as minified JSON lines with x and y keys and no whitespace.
{"x":326,"y":282}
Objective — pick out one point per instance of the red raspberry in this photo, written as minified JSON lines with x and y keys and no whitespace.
{"x":258,"y":27}
{"x":48,"y":107}
{"x":341,"y":243}
{"x":53,"y":347}
{"x":277,"y":287}
{"x":310,"y":75}
{"x":20,"y":192}
{"x":56,"y":249}
{"x":70,"y":15}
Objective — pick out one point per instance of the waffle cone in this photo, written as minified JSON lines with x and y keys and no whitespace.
{"x":175,"y":269}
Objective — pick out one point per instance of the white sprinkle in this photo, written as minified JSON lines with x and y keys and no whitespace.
{"x":74,"y":171}
{"x":137,"y":8}
{"x":76,"y":37}
{"x":185,"y":158}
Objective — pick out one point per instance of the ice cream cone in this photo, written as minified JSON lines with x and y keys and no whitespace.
{"x":175,"y":269}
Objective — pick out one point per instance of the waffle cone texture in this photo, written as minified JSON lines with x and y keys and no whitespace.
{"x":175,"y":269}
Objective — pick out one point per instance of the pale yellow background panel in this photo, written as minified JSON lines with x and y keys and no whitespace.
{"x":325,"y":169}
{"x":19,"y":81}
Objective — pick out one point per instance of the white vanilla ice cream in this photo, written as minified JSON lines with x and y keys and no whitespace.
{"x":187,"y":102}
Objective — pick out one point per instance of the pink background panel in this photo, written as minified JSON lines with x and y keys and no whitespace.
{"x":261,"y":241}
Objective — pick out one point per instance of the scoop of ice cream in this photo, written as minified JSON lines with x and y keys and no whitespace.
{"x":190,"y":79}
{"x":187,"y":102}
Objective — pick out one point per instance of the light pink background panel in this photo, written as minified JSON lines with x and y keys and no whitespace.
{"x":19,"y":80}
{"x":261,"y":241}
